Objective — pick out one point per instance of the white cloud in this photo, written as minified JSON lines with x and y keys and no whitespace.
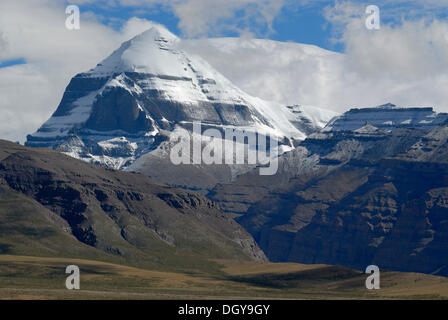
{"x":286,"y":72}
{"x":35,"y":30}
{"x":135,"y":26}
{"x":203,"y":17}
{"x":406,"y":64}
{"x":3,"y":43}
{"x":26,"y":99}
{"x":198,"y":18}
{"x":411,"y":51}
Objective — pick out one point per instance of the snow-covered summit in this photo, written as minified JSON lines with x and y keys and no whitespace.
{"x":148,"y":52}
{"x":181,"y":77}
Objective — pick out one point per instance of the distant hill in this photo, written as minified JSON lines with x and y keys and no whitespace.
{"x":54,"y":205}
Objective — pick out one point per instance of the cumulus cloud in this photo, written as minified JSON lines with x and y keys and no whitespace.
{"x":203,"y":17}
{"x":3,"y":43}
{"x":35,"y":30}
{"x":286,"y":72}
{"x":135,"y":26}
{"x":200,"y":18}
{"x":413,"y":48}
{"x":27,"y":98}
{"x":405,"y":62}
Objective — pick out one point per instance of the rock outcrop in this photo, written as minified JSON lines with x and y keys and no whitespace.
{"x":388,"y":117}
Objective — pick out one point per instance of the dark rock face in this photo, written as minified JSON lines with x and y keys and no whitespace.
{"x":379,"y":226}
{"x":78,"y":87}
{"x":115,"y":112}
{"x":419,"y":238}
{"x":116,"y":109}
{"x":387,"y":220}
{"x":363,"y":198}
{"x":118,"y":213}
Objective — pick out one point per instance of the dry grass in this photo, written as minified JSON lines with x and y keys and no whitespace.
{"x":235,"y":268}
{"x":31,"y":278}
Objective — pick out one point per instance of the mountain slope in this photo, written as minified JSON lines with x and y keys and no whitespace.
{"x":109,"y":214}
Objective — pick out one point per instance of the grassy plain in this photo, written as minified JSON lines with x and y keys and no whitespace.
{"x":25,"y":277}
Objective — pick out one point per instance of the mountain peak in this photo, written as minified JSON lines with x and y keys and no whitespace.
{"x":156,"y":33}
{"x":387,"y":106}
{"x":368,"y":129}
{"x":147,"y":52}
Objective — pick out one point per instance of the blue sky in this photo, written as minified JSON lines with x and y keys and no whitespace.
{"x":301,"y":21}
{"x":303,"y":25}
{"x":12,"y":62}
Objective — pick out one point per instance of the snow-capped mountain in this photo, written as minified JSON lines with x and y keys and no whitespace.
{"x":387,"y":117}
{"x":130,"y":102}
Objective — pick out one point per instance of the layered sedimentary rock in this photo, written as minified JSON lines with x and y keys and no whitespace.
{"x":353,"y":198}
{"x":388,"y":117}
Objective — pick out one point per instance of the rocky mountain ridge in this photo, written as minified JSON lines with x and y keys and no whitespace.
{"x":63,"y":206}
{"x":387,"y":117}
{"x":353,"y":198}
